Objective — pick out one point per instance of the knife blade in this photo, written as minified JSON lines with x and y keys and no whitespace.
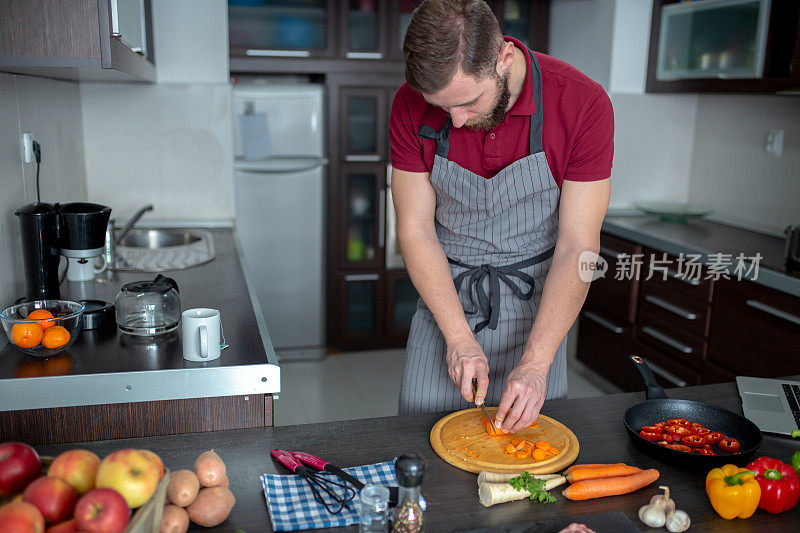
{"x":483,"y":406}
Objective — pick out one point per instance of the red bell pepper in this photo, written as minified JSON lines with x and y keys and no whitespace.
{"x":780,"y":485}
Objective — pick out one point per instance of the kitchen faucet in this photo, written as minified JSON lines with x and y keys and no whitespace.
{"x":134,"y":219}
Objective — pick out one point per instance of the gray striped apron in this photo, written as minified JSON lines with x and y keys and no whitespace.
{"x":498,"y":235}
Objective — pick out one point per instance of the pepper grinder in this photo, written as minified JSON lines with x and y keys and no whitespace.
{"x":408,"y":469}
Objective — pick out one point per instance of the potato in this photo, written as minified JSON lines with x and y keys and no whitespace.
{"x":174,"y":520}
{"x":210,"y":469}
{"x":225,"y":483}
{"x":211,"y":507}
{"x":182,"y":488}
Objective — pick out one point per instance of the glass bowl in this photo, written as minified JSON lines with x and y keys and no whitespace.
{"x":32,"y":336}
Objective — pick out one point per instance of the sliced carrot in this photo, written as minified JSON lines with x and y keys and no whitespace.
{"x":483,"y":420}
{"x":534,"y":425}
{"x":539,"y":454}
{"x":514,"y":442}
{"x":520,"y":446}
{"x":610,"y":486}
{"x":588,"y":465}
{"x":530,"y":446}
{"x":553,"y":451}
{"x":510,"y":449}
{"x":543,"y":444}
{"x":471,"y":453}
{"x":617,"y":470}
{"x":522,"y":454}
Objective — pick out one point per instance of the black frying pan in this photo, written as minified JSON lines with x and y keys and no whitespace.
{"x":658,"y":407}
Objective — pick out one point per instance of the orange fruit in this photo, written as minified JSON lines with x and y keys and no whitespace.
{"x":42,"y":314}
{"x":26,"y":334}
{"x":55,"y":337}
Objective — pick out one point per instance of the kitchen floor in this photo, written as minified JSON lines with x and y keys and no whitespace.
{"x":347,"y":386}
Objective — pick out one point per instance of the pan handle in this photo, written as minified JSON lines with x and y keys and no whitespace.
{"x":654,"y":390}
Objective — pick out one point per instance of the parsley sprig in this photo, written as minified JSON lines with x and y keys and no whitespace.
{"x":535,"y":486}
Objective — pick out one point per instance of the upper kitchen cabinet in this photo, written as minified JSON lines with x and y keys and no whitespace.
{"x":282,"y":28}
{"x":526,"y":20}
{"x":364,"y":29}
{"x":741,"y":46}
{"x":93,"y":40}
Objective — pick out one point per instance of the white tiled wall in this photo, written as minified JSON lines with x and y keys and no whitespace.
{"x":166,"y":144}
{"x":730,"y":168}
{"x":50,"y":109}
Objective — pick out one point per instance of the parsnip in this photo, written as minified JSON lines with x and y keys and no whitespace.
{"x":494,"y":493}
{"x":494,"y":477}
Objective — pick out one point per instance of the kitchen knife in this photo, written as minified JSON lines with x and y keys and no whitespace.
{"x":483,"y":406}
{"x":322,"y":464}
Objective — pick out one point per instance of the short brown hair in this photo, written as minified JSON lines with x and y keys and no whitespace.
{"x":445,"y":35}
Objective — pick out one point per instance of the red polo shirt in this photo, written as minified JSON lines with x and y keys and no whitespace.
{"x":578,"y":128}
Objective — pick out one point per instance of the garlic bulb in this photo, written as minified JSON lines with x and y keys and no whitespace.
{"x":677,"y":521}
{"x":663,"y":500}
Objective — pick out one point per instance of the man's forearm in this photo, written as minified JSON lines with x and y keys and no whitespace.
{"x":427,"y":265}
{"x":562,"y":298}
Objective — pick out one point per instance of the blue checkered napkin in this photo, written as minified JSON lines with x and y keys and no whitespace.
{"x":292,"y":506}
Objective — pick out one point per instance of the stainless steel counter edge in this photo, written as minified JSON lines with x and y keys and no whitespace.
{"x":145,"y":386}
{"x":767,"y":277}
{"x":259,"y":314}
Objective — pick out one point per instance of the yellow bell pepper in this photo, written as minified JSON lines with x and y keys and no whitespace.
{"x":733,"y":491}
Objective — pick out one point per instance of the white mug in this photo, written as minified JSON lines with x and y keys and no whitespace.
{"x":202,"y":334}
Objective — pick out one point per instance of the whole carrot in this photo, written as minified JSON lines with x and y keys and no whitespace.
{"x":587,"y":465}
{"x":619,"y":469}
{"x":610,"y":486}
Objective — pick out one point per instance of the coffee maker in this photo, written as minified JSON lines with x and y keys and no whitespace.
{"x":75,"y":230}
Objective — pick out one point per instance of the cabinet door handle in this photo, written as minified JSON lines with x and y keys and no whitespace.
{"x":363,"y":55}
{"x":666,"y":339}
{"x":362,"y":277}
{"x":278,"y":53}
{"x":597,"y":319}
{"x":375,"y":157}
{"x":777,"y":313}
{"x":611,"y":253}
{"x":663,"y":304}
{"x":666,"y":374}
{"x":382,"y":218}
{"x":681,"y":277}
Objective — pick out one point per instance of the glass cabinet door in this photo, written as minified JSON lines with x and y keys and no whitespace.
{"x":712,"y":39}
{"x":359,"y":323}
{"x":363,"y":205}
{"x":364,"y":123}
{"x":399,"y":20}
{"x":401,"y":303}
{"x":516,"y":20}
{"x":280,"y":28}
{"x":363,"y":22}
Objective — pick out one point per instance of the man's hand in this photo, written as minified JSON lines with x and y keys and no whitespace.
{"x":522,"y":397}
{"x":465,"y":362}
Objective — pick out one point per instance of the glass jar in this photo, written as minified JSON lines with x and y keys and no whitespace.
{"x":373,"y":510}
{"x":148,"y":308}
{"x":407,"y":517}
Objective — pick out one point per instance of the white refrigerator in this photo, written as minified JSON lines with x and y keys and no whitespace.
{"x":279,"y":177}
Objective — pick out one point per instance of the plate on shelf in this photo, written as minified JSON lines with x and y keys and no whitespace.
{"x":673,"y":211}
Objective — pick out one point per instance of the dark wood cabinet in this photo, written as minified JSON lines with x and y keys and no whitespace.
{"x":754,"y":330}
{"x":690,"y":327}
{"x":80,"y":39}
{"x":401,"y":304}
{"x":362,"y":212}
{"x":707,"y":46}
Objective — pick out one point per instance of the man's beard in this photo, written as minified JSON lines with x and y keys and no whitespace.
{"x":498,"y":112}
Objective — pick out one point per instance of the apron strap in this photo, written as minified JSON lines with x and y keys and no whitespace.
{"x":536,"y":144}
{"x":489,"y":305}
{"x":441,"y":137}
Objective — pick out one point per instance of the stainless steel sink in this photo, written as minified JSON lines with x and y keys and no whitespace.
{"x":156,"y":250}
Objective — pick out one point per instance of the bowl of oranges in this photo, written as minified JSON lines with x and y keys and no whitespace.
{"x":42,"y":327}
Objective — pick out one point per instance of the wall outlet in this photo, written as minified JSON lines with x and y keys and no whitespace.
{"x":774,"y":144}
{"x":27,"y":146}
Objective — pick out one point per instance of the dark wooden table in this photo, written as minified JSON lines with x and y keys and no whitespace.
{"x":452,"y":493}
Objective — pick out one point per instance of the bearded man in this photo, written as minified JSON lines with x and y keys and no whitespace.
{"x":501,"y":178}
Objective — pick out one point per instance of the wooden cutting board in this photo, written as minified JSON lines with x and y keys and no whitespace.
{"x":456,"y":434}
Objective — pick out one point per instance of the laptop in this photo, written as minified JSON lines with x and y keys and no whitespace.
{"x":772,"y":404}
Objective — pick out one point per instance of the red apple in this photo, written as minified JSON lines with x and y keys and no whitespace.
{"x":64,"y":527}
{"x":76,"y":467}
{"x":102,"y":511}
{"x":54,"y":497}
{"x":131,"y":473}
{"x":19,"y":465}
{"x":156,"y":460}
{"x":21,"y":517}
